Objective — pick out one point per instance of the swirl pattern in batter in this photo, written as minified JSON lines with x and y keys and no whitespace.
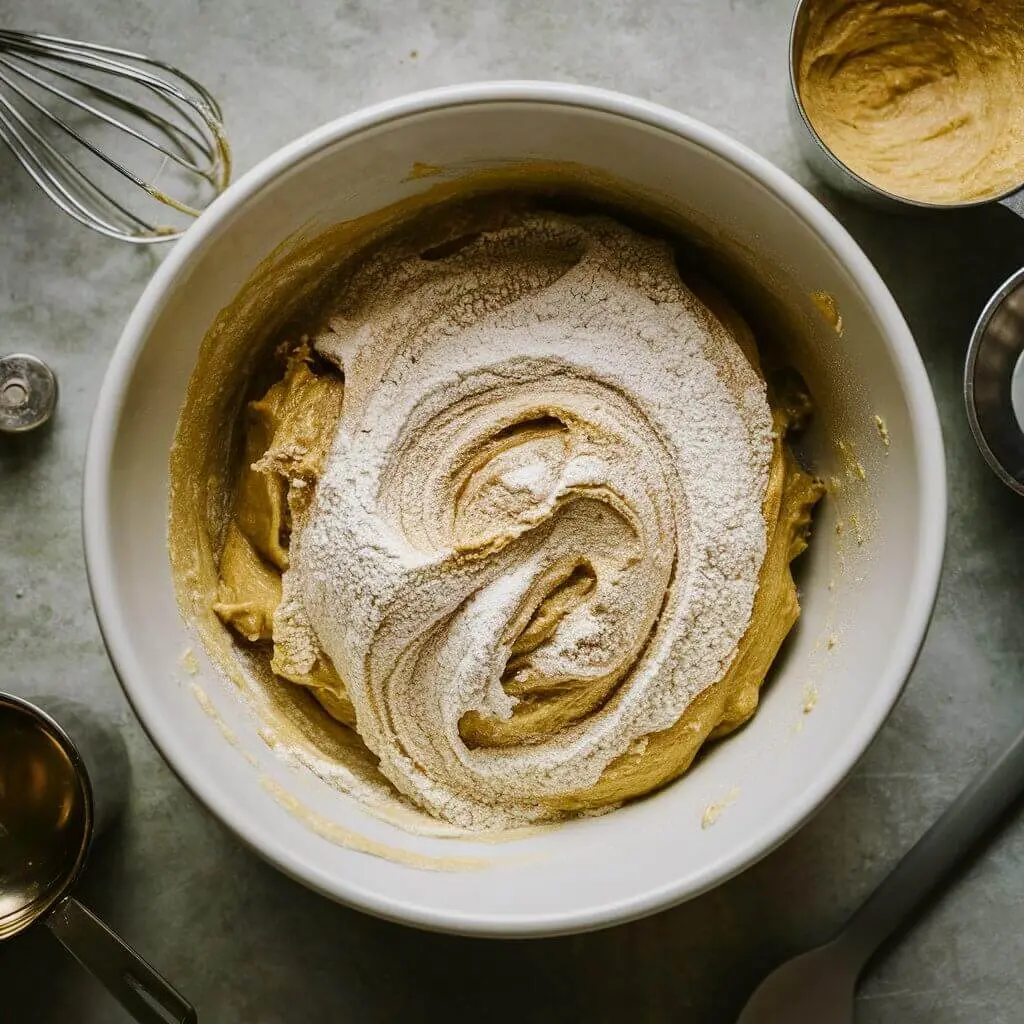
{"x":530,"y":533}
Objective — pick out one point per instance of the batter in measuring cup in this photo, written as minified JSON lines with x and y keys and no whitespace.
{"x":922,"y":98}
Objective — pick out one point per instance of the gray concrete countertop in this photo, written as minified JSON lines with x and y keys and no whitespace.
{"x":248,"y":945}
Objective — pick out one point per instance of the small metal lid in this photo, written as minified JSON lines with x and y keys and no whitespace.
{"x":28,"y":393}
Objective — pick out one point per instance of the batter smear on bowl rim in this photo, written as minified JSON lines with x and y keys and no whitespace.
{"x":521,"y":515}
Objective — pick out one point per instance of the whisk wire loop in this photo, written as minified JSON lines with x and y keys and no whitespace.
{"x":57,"y":95}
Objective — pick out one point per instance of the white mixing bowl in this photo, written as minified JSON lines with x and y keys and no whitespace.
{"x":867,"y":589}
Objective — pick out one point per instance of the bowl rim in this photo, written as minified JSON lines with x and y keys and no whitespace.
{"x":207,"y":787}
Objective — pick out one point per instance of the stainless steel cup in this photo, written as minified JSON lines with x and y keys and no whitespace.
{"x":994,"y":382}
{"x":49,"y":812}
{"x":831,"y":170}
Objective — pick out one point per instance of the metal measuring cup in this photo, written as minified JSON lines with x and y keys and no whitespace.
{"x":994,"y":382}
{"x":48,"y":815}
{"x":994,"y":371}
{"x":827,"y":166}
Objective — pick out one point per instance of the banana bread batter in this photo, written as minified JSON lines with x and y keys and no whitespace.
{"x":522,"y":515}
{"x":922,"y":98}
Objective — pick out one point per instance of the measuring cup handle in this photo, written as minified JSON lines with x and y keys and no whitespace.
{"x":127,"y":977}
{"x":1015,"y":202}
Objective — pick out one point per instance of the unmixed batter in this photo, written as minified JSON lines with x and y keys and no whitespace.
{"x":522,"y":515}
{"x":922,"y":98}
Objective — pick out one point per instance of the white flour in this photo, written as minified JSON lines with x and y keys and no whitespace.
{"x":549,"y":399}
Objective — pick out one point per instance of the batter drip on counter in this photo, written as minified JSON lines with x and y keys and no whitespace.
{"x":521,"y":514}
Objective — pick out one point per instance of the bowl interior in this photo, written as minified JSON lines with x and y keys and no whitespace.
{"x":867,"y":582}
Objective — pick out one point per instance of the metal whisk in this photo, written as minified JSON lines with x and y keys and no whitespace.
{"x":85,"y":120}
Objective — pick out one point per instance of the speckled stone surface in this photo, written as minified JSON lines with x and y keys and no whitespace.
{"x":246,"y":944}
